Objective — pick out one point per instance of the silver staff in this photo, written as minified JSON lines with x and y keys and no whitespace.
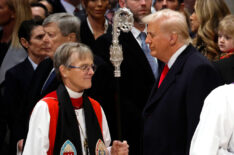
{"x":123,"y":20}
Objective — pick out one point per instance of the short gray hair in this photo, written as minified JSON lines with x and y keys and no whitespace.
{"x":172,"y":22}
{"x":66,"y":22}
{"x":64,"y":52}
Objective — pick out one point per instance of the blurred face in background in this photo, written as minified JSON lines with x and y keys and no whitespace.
{"x":225,"y":42}
{"x":6,"y":14}
{"x":47,"y":5}
{"x":139,"y":8}
{"x":37,"y":46}
{"x":96,"y":8}
{"x":170,"y":4}
{"x":194,"y":23}
{"x":54,"y":34}
{"x":38,"y":11}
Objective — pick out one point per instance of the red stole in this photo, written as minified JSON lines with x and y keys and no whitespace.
{"x":52,"y":102}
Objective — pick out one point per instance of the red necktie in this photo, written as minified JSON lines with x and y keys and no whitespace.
{"x":163,"y":75}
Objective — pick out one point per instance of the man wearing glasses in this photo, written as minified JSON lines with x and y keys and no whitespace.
{"x":67,"y":121}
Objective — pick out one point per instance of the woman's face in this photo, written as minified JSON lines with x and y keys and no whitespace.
{"x":97,"y":8}
{"x":194,"y":22}
{"x":6,"y":13}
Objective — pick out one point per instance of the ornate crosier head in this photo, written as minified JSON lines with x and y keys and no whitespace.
{"x":123,"y":20}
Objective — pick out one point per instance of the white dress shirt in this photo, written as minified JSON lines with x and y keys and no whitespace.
{"x":175,"y":56}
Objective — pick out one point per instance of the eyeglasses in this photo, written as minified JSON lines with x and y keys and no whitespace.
{"x":84,"y":68}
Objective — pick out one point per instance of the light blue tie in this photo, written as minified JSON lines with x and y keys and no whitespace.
{"x":153,"y":61}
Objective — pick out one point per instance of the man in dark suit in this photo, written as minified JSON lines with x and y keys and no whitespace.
{"x":69,"y":6}
{"x":59,"y":28}
{"x":18,"y":78}
{"x":137,"y":77}
{"x":172,"y":111}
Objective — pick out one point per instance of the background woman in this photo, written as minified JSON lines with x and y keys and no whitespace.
{"x":95,"y":24}
{"x":208,"y":14}
{"x":12,"y":13}
{"x":12,"y":53}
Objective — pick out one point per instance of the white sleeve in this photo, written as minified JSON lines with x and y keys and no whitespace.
{"x":216,"y":125}
{"x":105,"y":130}
{"x":37,"y":142}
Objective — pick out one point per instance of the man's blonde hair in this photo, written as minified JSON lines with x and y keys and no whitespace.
{"x":171,"y":22}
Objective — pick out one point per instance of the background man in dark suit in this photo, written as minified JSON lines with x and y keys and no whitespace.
{"x":172,"y":112}
{"x":31,"y":36}
{"x":137,"y":77}
{"x":70,"y":6}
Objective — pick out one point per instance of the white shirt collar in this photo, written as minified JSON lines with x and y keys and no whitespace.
{"x":68,"y":7}
{"x":105,"y":25}
{"x":34,"y":65}
{"x":73,"y":94}
{"x":136,"y":33}
{"x":175,"y":56}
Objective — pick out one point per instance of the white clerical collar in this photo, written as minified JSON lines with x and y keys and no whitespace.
{"x":73,"y":94}
{"x":34,"y":65}
{"x":175,"y":56}
{"x":105,"y":25}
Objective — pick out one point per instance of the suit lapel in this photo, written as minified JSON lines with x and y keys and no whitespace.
{"x":128,"y":41}
{"x":170,"y":78}
{"x":27,"y":65}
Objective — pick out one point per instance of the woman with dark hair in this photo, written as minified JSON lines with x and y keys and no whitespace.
{"x":95,"y":24}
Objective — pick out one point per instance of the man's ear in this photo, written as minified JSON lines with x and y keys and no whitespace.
{"x":63,"y":71}
{"x":24,"y":42}
{"x":72,"y":37}
{"x":173,"y":38}
{"x":122,"y":3}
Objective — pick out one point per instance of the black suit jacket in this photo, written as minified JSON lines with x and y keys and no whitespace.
{"x":87,"y":36}
{"x":226,"y":69}
{"x":132,"y":89}
{"x":17,"y":82}
{"x":34,"y":94}
{"x":172,"y":111}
